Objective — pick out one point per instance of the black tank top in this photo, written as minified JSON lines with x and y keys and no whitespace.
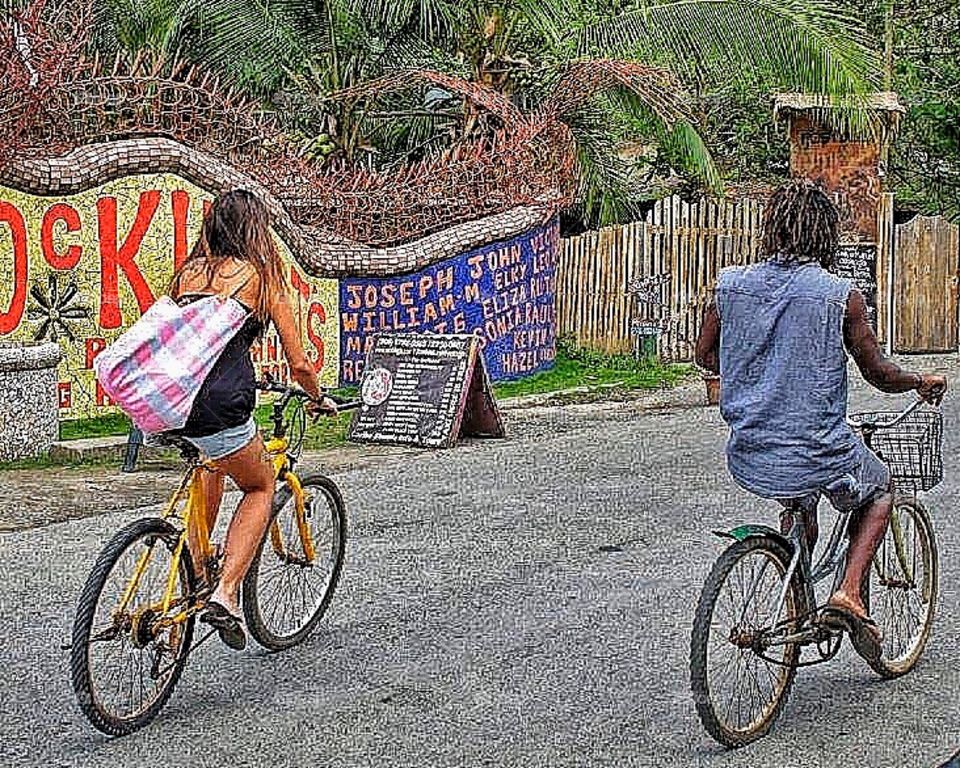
{"x":228,"y":394}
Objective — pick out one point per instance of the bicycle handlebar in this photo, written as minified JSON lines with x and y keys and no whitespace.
{"x":934,"y":401}
{"x":268,"y":385}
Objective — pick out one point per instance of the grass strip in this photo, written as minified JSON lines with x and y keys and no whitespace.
{"x":573,"y":368}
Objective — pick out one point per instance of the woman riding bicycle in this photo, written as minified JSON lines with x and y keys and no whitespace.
{"x":778,"y":333}
{"x":235,"y":255}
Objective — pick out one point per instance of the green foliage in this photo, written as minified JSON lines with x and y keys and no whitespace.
{"x":925,"y":163}
{"x":293,"y":54}
{"x":578,"y":367}
{"x":924,"y":167}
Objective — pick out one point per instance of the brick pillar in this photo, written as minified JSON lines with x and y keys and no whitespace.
{"x":851,"y":167}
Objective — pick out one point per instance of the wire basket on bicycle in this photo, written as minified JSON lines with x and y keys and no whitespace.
{"x":910,"y":445}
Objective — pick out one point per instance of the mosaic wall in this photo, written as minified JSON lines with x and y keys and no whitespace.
{"x":78,"y":269}
{"x":503,"y":293}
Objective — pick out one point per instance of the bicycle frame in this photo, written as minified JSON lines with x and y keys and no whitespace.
{"x":188,"y":504}
{"x":193,"y":514}
{"x":831,"y":562}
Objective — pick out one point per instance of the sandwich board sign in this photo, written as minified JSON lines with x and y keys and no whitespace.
{"x":425,"y":390}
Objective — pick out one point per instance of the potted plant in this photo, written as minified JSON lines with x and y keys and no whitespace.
{"x":712,"y":382}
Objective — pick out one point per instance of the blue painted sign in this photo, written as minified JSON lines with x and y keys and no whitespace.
{"x":503,"y":293}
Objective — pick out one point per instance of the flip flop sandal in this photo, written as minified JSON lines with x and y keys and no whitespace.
{"x":864,"y":633}
{"x":227,"y":625}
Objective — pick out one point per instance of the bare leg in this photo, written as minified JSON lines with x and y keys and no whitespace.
{"x":811,"y":526}
{"x":251,"y":470}
{"x":213,"y":493}
{"x":866,"y":533}
{"x":212,"y":485}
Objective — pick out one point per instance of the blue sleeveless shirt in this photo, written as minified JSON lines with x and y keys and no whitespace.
{"x":784,"y":377}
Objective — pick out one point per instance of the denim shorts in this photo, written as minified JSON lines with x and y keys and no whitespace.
{"x":221,"y":444}
{"x":854,"y":490}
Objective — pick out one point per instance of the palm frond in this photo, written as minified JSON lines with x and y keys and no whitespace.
{"x":555,"y":20}
{"x":680,"y":142}
{"x":692,"y":155}
{"x":604,"y":176}
{"x":811,"y":45}
{"x":430,"y":20}
{"x":256,"y":37}
{"x":583,"y":81}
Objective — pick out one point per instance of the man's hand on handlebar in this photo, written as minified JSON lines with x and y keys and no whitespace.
{"x":932,"y":387}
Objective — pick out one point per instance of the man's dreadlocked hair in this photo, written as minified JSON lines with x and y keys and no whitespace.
{"x":801,"y":224}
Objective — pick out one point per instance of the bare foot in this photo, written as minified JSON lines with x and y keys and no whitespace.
{"x":842,"y":600}
{"x":231,"y":604}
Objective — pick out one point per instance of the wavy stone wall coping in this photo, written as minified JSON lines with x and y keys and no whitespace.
{"x":28,"y":357}
{"x":316,"y":251}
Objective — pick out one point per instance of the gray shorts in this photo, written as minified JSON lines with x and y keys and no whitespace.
{"x":854,"y":490}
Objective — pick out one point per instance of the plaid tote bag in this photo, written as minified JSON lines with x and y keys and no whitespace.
{"x":154,"y":370}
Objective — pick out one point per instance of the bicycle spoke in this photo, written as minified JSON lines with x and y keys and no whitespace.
{"x":290,"y":591}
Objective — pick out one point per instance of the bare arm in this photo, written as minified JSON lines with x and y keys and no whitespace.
{"x":281,"y":312}
{"x":708,"y":343}
{"x":877,"y":369}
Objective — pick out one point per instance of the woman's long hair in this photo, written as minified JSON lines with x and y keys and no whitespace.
{"x":801,"y":223}
{"x":238,"y":226}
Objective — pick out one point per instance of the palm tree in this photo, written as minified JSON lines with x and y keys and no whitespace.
{"x":298,"y":53}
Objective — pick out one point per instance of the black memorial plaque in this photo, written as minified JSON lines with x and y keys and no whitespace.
{"x":858,"y":262}
{"x":417,"y":388}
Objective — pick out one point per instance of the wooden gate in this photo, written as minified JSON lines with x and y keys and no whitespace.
{"x":657,"y":272}
{"x":926,"y":262}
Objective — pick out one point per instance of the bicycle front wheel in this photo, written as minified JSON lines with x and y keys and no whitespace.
{"x":126,"y":653}
{"x":286,"y":592}
{"x":738,"y":692}
{"x":903,"y":587}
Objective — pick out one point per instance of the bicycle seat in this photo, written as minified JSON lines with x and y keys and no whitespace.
{"x":169,"y":440}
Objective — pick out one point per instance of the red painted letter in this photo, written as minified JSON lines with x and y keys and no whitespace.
{"x":69,"y":216}
{"x":299,"y":284}
{"x":10,"y":319}
{"x":94,"y":347}
{"x":111,"y":257}
{"x":316,"y":311}
{"x":65,"y":394}
{"x":180,"y":202}
{"x":102,"y":397}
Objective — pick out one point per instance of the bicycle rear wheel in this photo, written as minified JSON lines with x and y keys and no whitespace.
{"x":124,"y":663}
{"x":903,"y":588}
{"x":738,"y":693}
{"x":284,"y":593}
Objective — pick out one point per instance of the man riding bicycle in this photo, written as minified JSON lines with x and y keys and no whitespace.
{"x":778,"y":333}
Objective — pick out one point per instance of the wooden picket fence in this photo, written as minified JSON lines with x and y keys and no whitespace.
{"x":654,"y":276}
{"x":619,"y":283}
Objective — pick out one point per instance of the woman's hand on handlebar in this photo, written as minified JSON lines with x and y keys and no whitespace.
{"x":932,"y":387}
{"x":325,"y":406}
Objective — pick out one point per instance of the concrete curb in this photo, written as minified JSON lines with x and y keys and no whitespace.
{"x":111,"y":448}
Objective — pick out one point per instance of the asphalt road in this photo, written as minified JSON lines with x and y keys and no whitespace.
{"x":525,"y":602}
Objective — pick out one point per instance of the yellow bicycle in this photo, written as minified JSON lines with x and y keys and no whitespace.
{"x":133,"y":629}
